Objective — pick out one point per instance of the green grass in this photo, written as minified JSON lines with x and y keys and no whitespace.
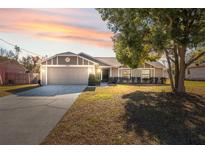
{"x":7,"y":90}
{"x":128,"y":114}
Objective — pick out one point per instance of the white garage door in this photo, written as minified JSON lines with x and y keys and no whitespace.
{"x":67,"y":75}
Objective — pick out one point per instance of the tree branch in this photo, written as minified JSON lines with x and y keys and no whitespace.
{"x":170,"y":70}
{"x":194,"y":59}
{"x":171,"y":59}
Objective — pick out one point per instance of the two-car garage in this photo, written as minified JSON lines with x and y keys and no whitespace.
{"x":66,"y":69}
{"x":65,"y":75}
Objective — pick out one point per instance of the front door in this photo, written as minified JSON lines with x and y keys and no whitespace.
{"x":105,"y":75}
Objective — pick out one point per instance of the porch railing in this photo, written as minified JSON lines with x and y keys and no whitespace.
{"x":137,"y":80}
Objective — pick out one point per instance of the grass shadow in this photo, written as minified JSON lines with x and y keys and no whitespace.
{"x":14,"y":91}
{"x":90,"y":89}
{"x":166,"y":117}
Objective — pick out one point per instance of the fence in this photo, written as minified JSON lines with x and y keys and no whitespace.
{"x":16,"y":78}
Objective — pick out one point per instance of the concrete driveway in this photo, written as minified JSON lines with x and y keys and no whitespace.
{"x":29,"y":116}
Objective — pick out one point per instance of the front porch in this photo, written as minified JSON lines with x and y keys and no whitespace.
{"x":132,"y":76}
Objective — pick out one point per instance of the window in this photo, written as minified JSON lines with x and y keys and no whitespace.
{"x":126,"y":73}
{"x":188,"y":71}
{"x":145,"y":73}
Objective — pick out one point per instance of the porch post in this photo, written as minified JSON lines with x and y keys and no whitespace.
{"x":110,"y":71}
{"x":154,"y":72}
{"x":101,"y":75}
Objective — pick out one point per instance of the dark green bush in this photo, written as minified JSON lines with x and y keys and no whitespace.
{"x":151,"y":80}
{"x":145,"y":80}
{"x":93,"y":80}
{"x":163,"y":80}
{"x":156,"y":80}
{"x":138,"y":79}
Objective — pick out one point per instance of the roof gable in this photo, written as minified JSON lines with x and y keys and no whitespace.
{"x":102,"y":63}
{"x":65,"y":53}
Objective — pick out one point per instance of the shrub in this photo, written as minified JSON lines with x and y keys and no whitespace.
{"x":163,"y":80}
{"x":145,"y":80}
{"x":151,"y":80}
{"x":133,"y":79}
{"x":11,"y":82}
{"x":112,"y":80}
{"x":138,"y":79}
{"x":93,"y":80}
{"x":155,"y":80}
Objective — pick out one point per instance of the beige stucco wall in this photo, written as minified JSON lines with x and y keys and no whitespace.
{"x":158,"y":72}
{"x":196,"y":73}
{"x":114,"y":72}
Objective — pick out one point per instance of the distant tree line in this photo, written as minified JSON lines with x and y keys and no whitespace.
{"x":31,"y":63}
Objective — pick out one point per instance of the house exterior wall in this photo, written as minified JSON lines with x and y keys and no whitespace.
{"x":158,"y":72}
{"x":54,"y":60}
{"x":80,"y":61}
{"x":74,"y":60}
{"x":114,"y":72}
{"x":195,"y":73}
{"x":49,"y":62}
{"x":62,"y":61}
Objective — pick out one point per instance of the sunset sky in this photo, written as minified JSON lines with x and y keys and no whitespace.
{"x":51,"y":31}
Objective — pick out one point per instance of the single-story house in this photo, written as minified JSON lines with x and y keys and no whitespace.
{"x":196,"y":71}
{"x":11,"y":72}
{"x":71,"y":68}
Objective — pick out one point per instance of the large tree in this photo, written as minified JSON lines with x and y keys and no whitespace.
{"x":174,"y":32}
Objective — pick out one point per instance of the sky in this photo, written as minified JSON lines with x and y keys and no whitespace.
{"x":52,"y":31}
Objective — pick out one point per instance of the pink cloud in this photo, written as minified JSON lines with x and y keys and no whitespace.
{"x":54,"y":24}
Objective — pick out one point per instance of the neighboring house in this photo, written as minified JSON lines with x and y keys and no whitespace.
{"x":71,"y":68}
{"x":11,"y":72}
{"x":196,"y":71}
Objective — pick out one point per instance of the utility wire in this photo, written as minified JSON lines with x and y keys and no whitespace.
{"x":9,"y":43}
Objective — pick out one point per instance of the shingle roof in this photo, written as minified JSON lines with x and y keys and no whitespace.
{"x":197,"y":65}
{"x":112,"y":61}
{"x":100,"y":62}
{"x":156,"y":64}
{"x":66,"y":53}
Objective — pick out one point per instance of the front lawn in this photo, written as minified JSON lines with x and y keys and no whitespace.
{"x":126,"y":114}
{"x":7,"y":90}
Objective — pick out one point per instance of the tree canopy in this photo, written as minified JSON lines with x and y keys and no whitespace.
{"x":144,"y":34}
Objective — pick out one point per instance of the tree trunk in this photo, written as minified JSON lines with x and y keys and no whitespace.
{"x":176,"y":77}
{"x":170,"y":71}
{"x":181,"y":87}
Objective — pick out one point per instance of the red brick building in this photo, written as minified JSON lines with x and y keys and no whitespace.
{"x":11,"y":72}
